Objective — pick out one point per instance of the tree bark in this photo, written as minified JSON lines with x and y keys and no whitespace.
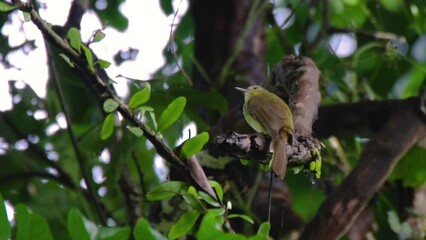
{"x":405,"y":127}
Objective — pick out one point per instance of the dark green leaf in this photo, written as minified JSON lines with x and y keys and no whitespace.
{"x":242,"y":216}
{"x":110,"y":105}
{"x":411,"y":169}
{"x":39,"y":228}
{"x":31,"y":226}
{"x":165,"y":190}
{"x":143,"y":231}
{"x":112,"y":15}
{"x":5,"y":7}
{"x":23,"y":225}
{"x":108,"y":126}
{"x":89,"y":57}
{"x":194,"y":145}
{"x":193,"y":201}
{"x":4,"y":221}
{"x":103,"y":63}
{"x":98,"y":36}
{"x":184,"y":224}
{"x":75,"y":38}
{"x":140,"y":97}
{"x":113,"y":233}
{"x":172,"y":113}
{"x":166,"y":6}
{"x":136,"y":131}
{"x":76,"y":227}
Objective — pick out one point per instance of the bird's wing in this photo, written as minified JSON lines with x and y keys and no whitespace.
{"x":268,"y":114}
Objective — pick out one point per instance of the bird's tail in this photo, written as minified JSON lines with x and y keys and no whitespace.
{"x":279,"y":156}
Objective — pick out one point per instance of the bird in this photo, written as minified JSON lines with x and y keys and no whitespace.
{"x":267,"y":113}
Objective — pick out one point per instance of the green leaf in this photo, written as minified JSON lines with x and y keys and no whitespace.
{"x":110,"y":105}
{"x":27,"y":16}
{"x":75,"y":226}
{"x":140,"y":97}
{"x":135,"y":130}
{"x":264,"y":229}
{"x":66,"y":59}
{"x":171,"y":113}
{"x":165,"y":190}
{"x":218,"y":188}
{"x":23,"y":227}
{"x":193,"y":201}
{"x":143,"y":231}
{"x":113,"y":233}
{"x":209,"y":199}
{"x":6,"y":7}
{"x":107,"y":126}
{"x":393,"y":221}
{"x":406,"y":231}
{"x":410,"y":168}
{"x":184,"y":224}
{"x":211,"y":226}
{"x":89,"y":57}
{"x":103,"y":63}
{"x":31,"y":226}
{"x":75,"y":38}
{"x":98,"y":36}
{"x":166,"y":6}
{"x":194,"y":145}
{"x":4,"y":221}
{"x":242,"y":216}
{"x":39,"y":228}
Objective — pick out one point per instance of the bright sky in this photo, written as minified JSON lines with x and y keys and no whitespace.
{"x":148,"y":32}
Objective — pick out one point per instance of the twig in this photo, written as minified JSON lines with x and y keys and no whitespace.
{"x":35,"y":174}
{"x":140,"y":174}
{"x":171,"y":41}
{"x":79,"y":156}
{"x":130,"y":196}
{"x":65,"y":178}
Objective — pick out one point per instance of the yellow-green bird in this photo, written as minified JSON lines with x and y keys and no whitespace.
{"x":267,"y":113}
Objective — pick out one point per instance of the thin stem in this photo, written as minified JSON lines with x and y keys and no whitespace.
{"x":271,"y":178}
{"x":140,"y":174}
{"x":79,"y":156}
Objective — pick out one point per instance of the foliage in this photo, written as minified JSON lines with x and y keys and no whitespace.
{"x":52,"y":170}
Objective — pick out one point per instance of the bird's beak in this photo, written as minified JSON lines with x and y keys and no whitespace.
{"x":241,"y":89}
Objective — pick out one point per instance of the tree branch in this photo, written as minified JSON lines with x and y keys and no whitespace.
{"x":359,"y":119}
{"x":66,"y":179}
{"x":405,"y":127}
{"x":104,"y":91}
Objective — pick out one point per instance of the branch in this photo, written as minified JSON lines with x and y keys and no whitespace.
{"x":361,"y":118}
{"x":103,"y":90}
{"x":35,"y":174}
{"x":403,"y":130}
{"x":66,"y":179}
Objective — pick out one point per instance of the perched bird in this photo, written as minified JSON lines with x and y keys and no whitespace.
{"x":267,"y":113}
